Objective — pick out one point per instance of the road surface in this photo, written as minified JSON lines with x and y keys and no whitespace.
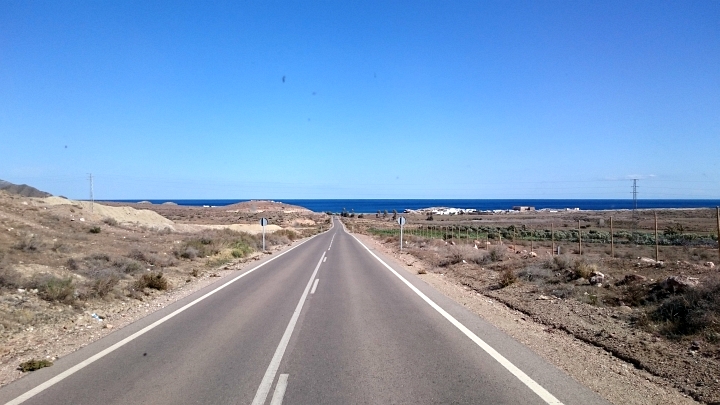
{"x":328,"y":321}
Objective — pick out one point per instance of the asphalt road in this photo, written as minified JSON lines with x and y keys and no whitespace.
{"x":326,"y":322}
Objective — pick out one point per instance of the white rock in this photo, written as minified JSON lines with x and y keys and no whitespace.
{"x":596,"y":277}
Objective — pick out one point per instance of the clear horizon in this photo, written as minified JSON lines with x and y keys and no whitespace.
{"x":326,"y":100}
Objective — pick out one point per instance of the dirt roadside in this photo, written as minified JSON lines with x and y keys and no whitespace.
{"x":72,"y":272}
{"x":612,"y":378}
{"x":54,"y":340}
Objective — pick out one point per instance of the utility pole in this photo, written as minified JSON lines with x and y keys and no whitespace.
{"x":92,"y":196}
{"x":718,"y":229}
{"x":634,"y":213}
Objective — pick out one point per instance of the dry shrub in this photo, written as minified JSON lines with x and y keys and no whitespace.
{"x":428,"y":256}
{"x":110,"y":221}
{"x":392,"y":239}
{"x":535,"y":274}
{"x":127,"y":266}
{"x":9,"y":277}
{"x":33,"y":364}
{"x":188,"y":252}
{"x":29,"y":243}
{"x":497,"y":254}
{"x":564,"y":291}
{"x":137,"y":254}
{"x":153,"y":258}
{"x":635,"y":294}
{"x":60,"y":247}
{"x":288,"y":233}
{"x":156,"y":281}
{"x":560,"y":262}
{"x":456,"y":254}
{"x":276,"y":238}
{"x":507,"y":277}
{"x":692,"y":311}
{"x":103,"y":285}
{"x":53,"y":288}
{"x":583,"y":269}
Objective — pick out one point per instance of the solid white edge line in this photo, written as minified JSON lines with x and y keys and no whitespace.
{"x":269,"y":377}
{"x":314,"y":287}
{"x":74,"y":369}
{"x":279,"y":393}
{"x":524,"y":378}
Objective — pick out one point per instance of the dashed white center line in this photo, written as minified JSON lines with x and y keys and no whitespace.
{"x":314,"y":286}
{"x":269,"y":377}
{"x":279,"y":393}
{"x":324,"y":260}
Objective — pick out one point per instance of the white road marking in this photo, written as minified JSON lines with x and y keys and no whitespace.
{"x":74,"y":369}
{"x":519,"y":374}
{"x":279,"y":393}
{"x":324,"y":260}
{"x":314,"y":286}
{"x":266,"y":383}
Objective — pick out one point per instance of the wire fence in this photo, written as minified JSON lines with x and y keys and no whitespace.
{"x":627,"y":240}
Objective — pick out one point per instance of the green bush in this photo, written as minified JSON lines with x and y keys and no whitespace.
{"x":94,"y":229}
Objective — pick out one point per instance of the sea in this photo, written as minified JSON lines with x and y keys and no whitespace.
{"x":375,"y":205}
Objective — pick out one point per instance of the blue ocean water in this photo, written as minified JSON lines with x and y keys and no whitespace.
{"x":371,"y":206}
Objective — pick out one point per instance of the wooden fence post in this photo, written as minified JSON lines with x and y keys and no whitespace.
{"x":657,"y":249}
{"x":579,"y":239}
{"x":612,"y":239}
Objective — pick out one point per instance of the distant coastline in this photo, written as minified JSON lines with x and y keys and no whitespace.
{"x":373,"y":205}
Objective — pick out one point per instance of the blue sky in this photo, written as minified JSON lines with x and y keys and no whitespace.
{"x":386,"y":99}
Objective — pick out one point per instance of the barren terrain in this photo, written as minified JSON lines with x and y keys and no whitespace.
{"x":72,"y":271}
{"x":659,"y":319}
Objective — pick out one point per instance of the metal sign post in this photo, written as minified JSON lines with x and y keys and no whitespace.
{"x":401,"y":221}
{"x":263,"y":222}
